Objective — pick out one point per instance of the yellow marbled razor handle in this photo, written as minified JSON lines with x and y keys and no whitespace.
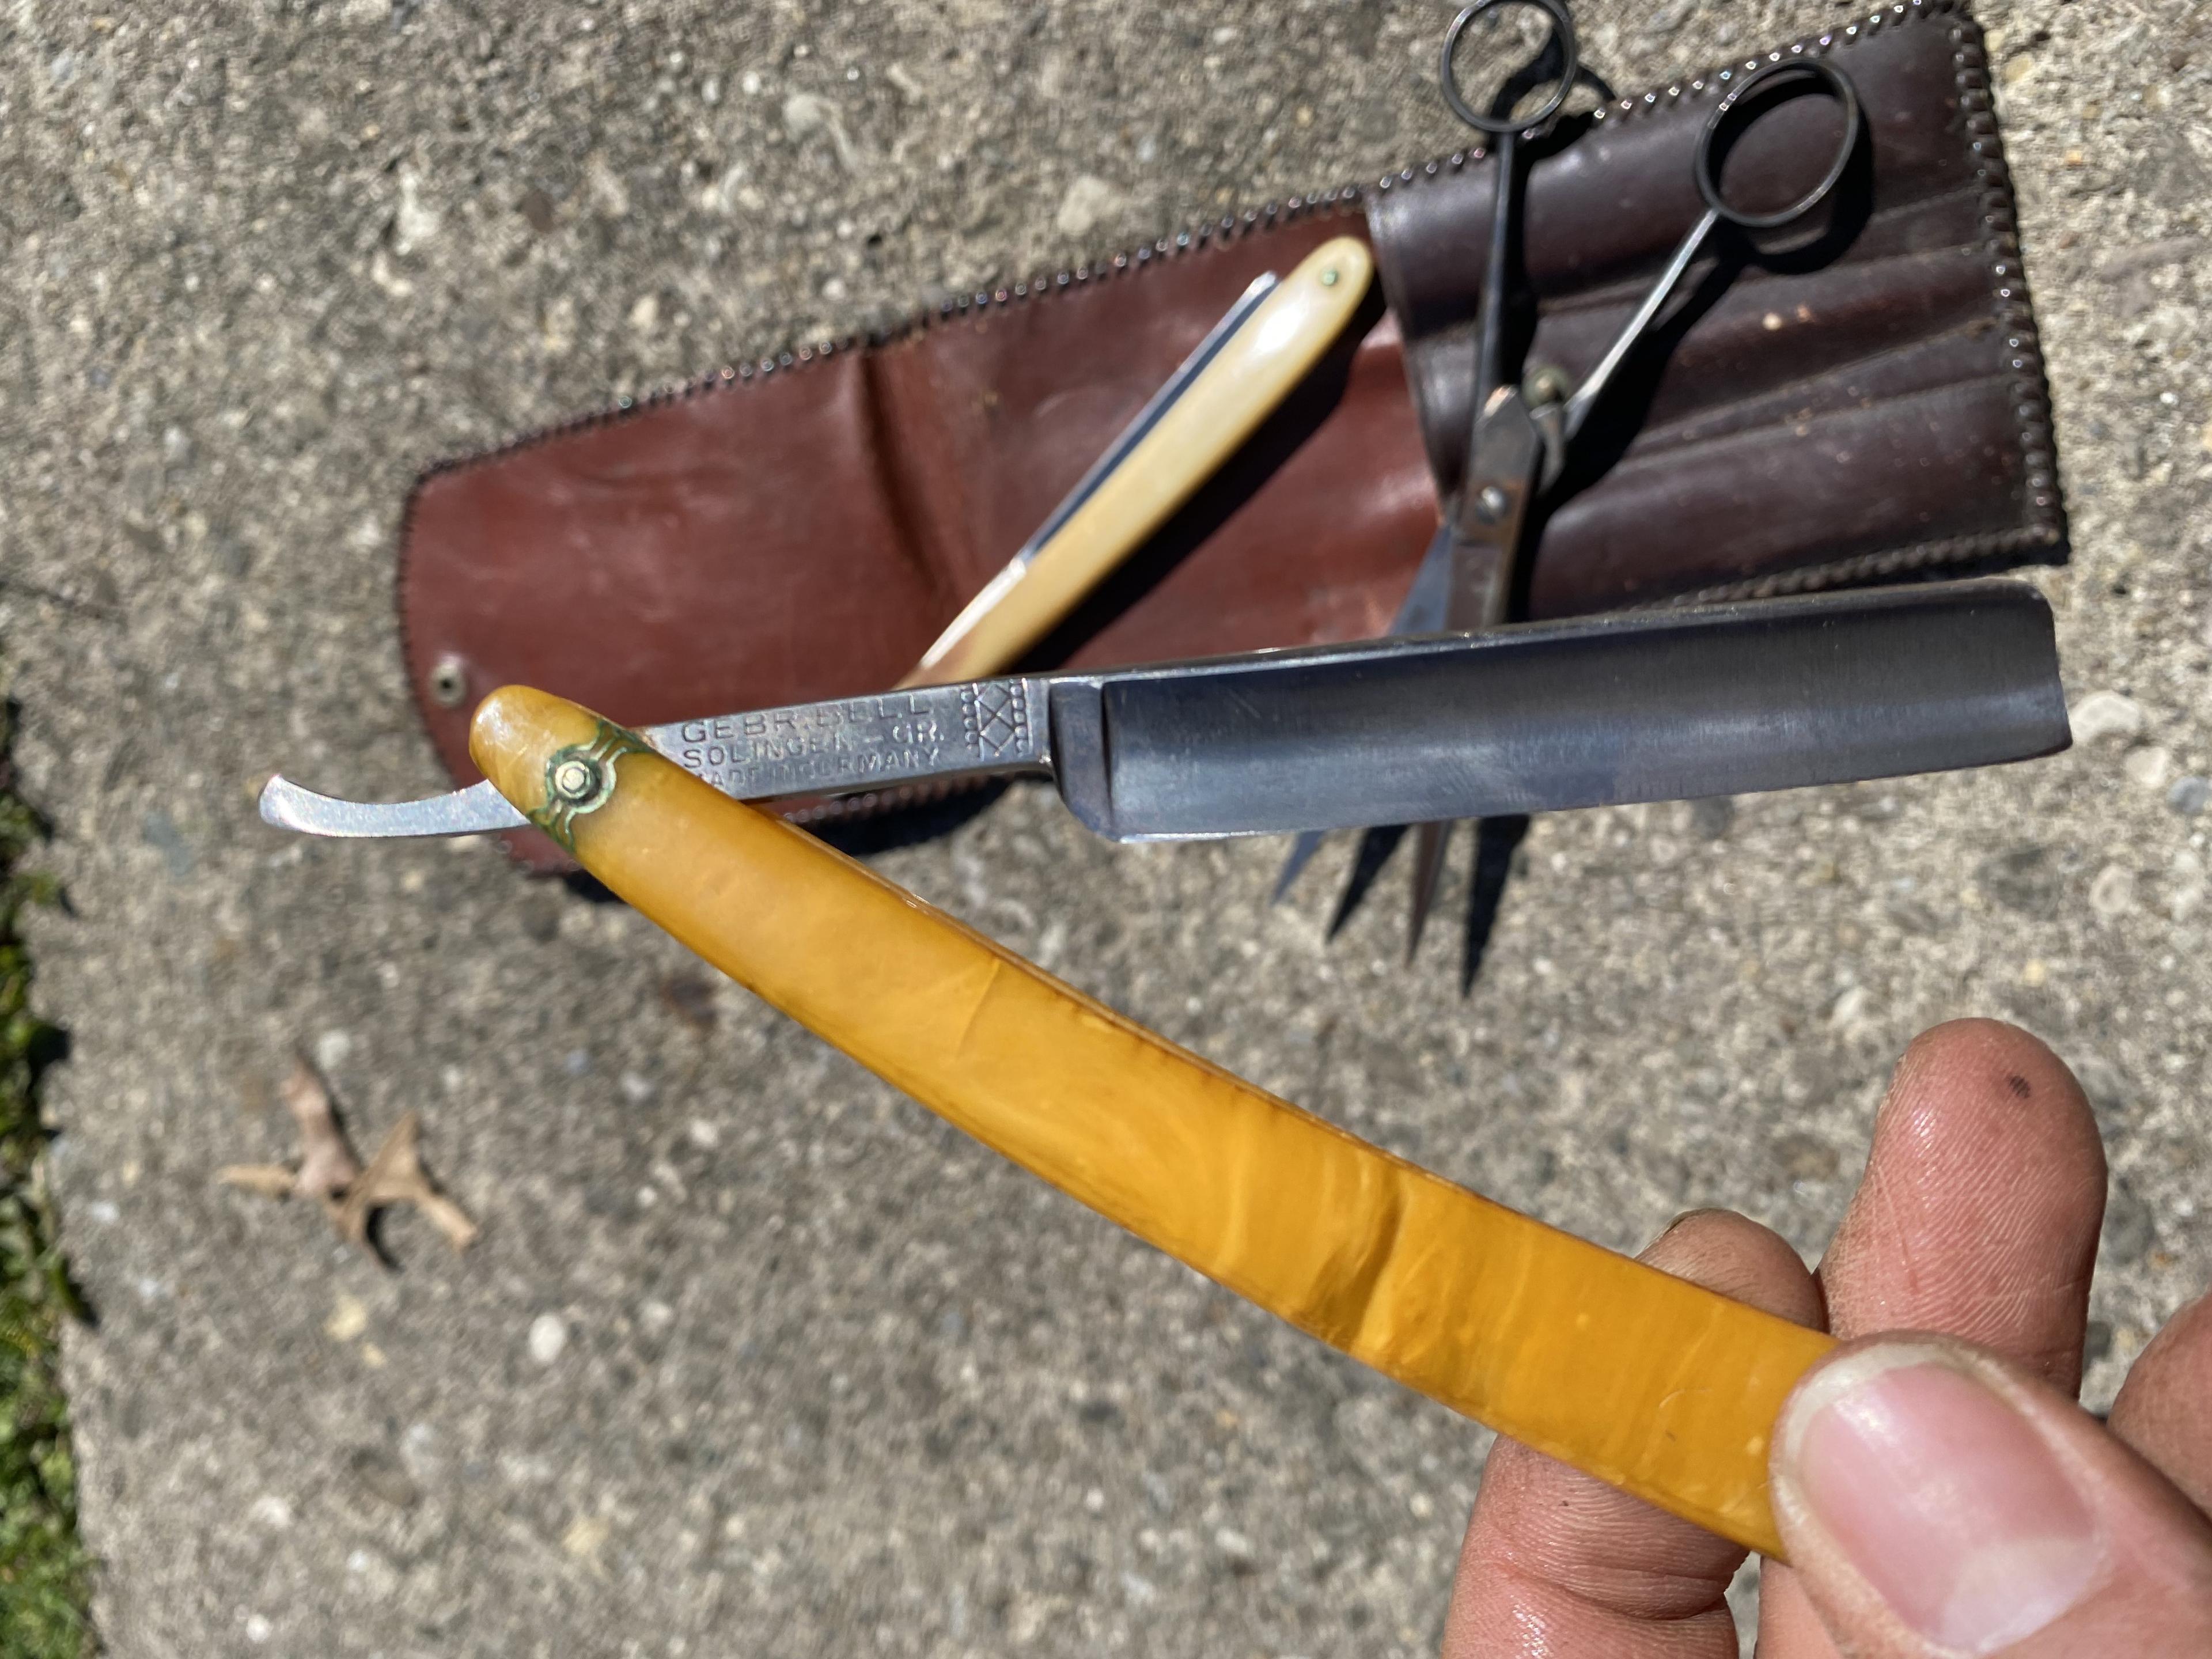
{"x":1647,"y":1382}
{"x":1239,"y":375}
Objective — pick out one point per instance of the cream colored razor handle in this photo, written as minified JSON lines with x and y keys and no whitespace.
{"x":1247,"y":380}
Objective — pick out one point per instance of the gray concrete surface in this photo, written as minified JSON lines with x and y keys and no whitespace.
{"x":810,"y":1374}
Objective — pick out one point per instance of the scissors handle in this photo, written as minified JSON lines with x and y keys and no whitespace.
{"x":1732,"y":117}
{"x":1728,"y":123}
{"x":1560,"y":54}
{"x":1594,"y":384}
{"x":1500,"y":126}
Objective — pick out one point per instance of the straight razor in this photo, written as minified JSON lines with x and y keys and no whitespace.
{"x":1636,"y":706}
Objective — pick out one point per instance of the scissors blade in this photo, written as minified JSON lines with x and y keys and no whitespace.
{"x":1488,"y":519}
{"x":1422,"y":611}
{"x":1487,"y":529}
{"x":1430,"y":843}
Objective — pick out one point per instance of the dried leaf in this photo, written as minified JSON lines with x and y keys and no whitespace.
{"x":327,"y":1163}
{"x":395,"y":1176}
{"x":270,"y":1180}
{"x":329,"y":1170}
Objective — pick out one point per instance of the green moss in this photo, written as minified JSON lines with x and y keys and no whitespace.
{"x":45,"y":1574}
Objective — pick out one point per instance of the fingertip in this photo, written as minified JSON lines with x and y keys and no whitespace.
{"x":1983,"y":1192}
{"x":1998,"y":1061}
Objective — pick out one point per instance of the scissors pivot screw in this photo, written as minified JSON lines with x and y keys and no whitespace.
{"x":1490,"y":504}
{"x":1546,"y":385}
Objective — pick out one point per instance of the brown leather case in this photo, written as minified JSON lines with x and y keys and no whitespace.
{"x":802,"y":526}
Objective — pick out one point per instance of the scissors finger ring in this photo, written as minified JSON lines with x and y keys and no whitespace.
{"x":1563,"y":31}
{"x":1733,"y":115}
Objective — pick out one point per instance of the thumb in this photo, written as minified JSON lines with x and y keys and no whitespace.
{"x":1937,"y":1500}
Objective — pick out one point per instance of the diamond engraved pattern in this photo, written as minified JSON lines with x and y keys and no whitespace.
{"x":994,"y":717}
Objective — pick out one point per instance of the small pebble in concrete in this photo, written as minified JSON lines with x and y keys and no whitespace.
{"x":585,"y":1536}
{"x":371,"y":1575}
{"x":805,"y":116}
{"x":1805,"y":1157}
{"x":380,"y":1472}
{"x":416,"y":221}
{"x":348,"y":1319}
{"x":2189,"y":796}
{"x":2111,"y":1096}
{"x":2107,"y":715}
{"x":1089,"y":200}
{"x":549,"y":1334}
{"x":2112,"y":894}
{"x":333,"y":1049}
{"x":419,"y":1446}
{"x":2149,"y":766}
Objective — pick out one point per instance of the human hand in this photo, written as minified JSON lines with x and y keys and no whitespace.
{"x":1938,"y":1493}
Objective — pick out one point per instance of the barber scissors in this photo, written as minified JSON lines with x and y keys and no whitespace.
{"x":1522,"y":434}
